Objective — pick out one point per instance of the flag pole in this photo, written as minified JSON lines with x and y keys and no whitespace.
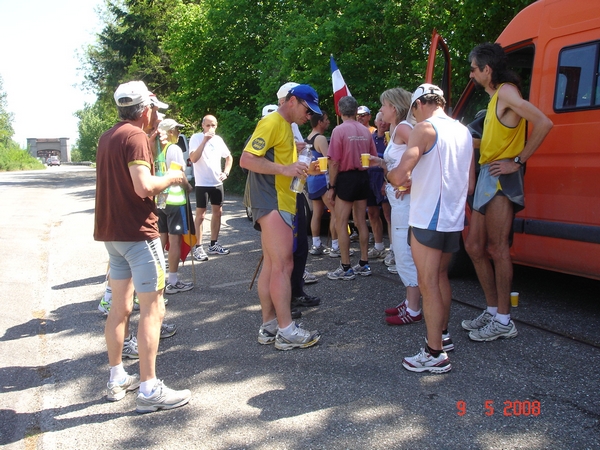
{"x":189,"y":235}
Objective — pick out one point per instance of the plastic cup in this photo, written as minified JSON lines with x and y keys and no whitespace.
{"x":364,"y":159}
{"x":175,"y":166}
{"x":514,"y":299}
{"x":323,"y":163}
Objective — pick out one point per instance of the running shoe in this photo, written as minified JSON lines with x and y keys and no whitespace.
{"x":376,"y":254}
{"x":494,"y":330}
{"x":162,"y":398}
{"x":354,"y":236}
{"x":104,"y":306}
{"x":217,"y":249}
{"x":396,"y":310}
{"x":180,"y":286}
{"x":199,"y":254}
{"x":300,"y":338}
{"x":337,"y":253}
{"x":136,"y":302}
{"x":364,"y":271}
{"x":479,"y":322}
{"x":424,"y":362}
{"x":265,"y":336}
{"x":309,"y":278}
{"x":404,"y":318}
{"x":305,"y":300}
{"x":390,"y":259}
{"x":167,"y":330}
{"x":116,"y":391}
{"x":130,"y":348}
{"x":320,"y":250}
{"x":447,"y":344}
{"x":339,"y":274}
{"x":393,"y":269}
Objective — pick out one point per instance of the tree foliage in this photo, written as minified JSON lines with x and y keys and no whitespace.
{"x":93,"y":121}
{"x":228,"y":57}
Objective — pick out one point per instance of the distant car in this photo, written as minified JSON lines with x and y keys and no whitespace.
{"x":189,"y":166}
{"x":53,"y":161}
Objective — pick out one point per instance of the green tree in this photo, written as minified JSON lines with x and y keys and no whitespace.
{"x":93,"y":121}
{"x":6,"y":118}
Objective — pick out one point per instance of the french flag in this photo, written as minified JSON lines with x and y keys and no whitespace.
{"x":339,"y":85}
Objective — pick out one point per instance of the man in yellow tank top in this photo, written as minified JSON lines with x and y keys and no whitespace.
{"x":499,"y":190}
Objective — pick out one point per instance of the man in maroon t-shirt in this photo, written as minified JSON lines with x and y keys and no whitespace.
{"x":126,"y":222}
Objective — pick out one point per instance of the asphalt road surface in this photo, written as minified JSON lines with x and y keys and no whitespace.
{"x":537,"y":391}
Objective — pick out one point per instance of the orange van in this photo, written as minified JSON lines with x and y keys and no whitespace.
{"x":554,"y":45}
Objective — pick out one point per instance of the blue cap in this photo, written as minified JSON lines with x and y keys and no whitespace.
{"x":309,"y":95}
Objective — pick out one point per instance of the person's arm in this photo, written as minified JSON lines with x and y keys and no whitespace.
{"x":509,"y":98}
{"x":260,"y":164}
{"x":196,"y":153}
{"x":147,"y":185}
{"x":421,"y":138}
{"x":321,"y":145}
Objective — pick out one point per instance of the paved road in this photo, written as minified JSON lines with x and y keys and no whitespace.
{"x":350,"y":391}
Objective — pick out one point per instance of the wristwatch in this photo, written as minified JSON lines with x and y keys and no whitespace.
{"x":518,"y":160}
{"x":329,"y":186}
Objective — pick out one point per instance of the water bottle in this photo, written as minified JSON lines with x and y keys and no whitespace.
{"x":305,"y":156}
{"x":161,"y":200}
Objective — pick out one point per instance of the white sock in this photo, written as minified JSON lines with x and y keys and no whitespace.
{"x":504,"y":319}
{"x":379,"y":246}
{"x":413,"y":313}
{"x":117,"y":373}
{"x":173,"y":278}
{"x":287,"y":331}
{"x":147,"y":387}
{"x":317,"y":241}
{"x":271,"y":325}
{"x":108,"y":294}
{"x":493,"y":310}
{"x":335,"y":244}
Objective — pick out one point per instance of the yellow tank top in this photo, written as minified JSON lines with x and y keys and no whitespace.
{"x":499,"y":141}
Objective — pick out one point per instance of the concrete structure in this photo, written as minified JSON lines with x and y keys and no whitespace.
{"x":44,"y":148}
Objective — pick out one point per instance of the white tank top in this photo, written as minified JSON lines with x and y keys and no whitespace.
{"x":440,"y":180}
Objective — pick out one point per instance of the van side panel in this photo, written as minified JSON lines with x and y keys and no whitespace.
{"x":559,"y":229}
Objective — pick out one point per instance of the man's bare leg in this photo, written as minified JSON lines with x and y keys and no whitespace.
{"x":118,"y":318}
{"x":198,"y":222}
{"x":360,"y":220}
{"x":429,"y":262}
{"x":342,"y":214}
{"x":274,"y":285}
{"x":152,"y":312}
{"x":215,"y":221}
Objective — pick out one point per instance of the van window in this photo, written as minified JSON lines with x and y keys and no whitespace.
{"x":577,"y":78}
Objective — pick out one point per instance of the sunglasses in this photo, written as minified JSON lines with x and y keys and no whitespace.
{"x":309,"y":111}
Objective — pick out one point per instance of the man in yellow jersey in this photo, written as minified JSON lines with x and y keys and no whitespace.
{"x":499,"y":191}
{"x":271,"y":159}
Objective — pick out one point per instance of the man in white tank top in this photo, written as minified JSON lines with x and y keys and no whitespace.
{"x":437,"y":165}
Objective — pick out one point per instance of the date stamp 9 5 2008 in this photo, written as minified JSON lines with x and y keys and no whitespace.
{"x":518,"y":408}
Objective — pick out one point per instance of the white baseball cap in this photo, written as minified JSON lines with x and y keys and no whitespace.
{"x":424,"y":89}
{"x":285,"y":88}
{"x":168,"y":124}
{"x":132,"y":93}
{"x":269,"y":109}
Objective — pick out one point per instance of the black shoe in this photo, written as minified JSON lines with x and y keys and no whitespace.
{"x":296,"y":314}
{"x":305,"y":300}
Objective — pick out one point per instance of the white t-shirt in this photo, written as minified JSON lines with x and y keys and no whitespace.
{"x":174,"y":154}
{"x":208,"y":168}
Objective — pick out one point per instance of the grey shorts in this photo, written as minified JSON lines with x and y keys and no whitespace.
{"x":257,"y":213}
{"x":447,"y":242}
{"x":143,"y":261}
{"x":488,"y":186}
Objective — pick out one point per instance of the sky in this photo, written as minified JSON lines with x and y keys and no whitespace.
{"x":39,"y":64}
